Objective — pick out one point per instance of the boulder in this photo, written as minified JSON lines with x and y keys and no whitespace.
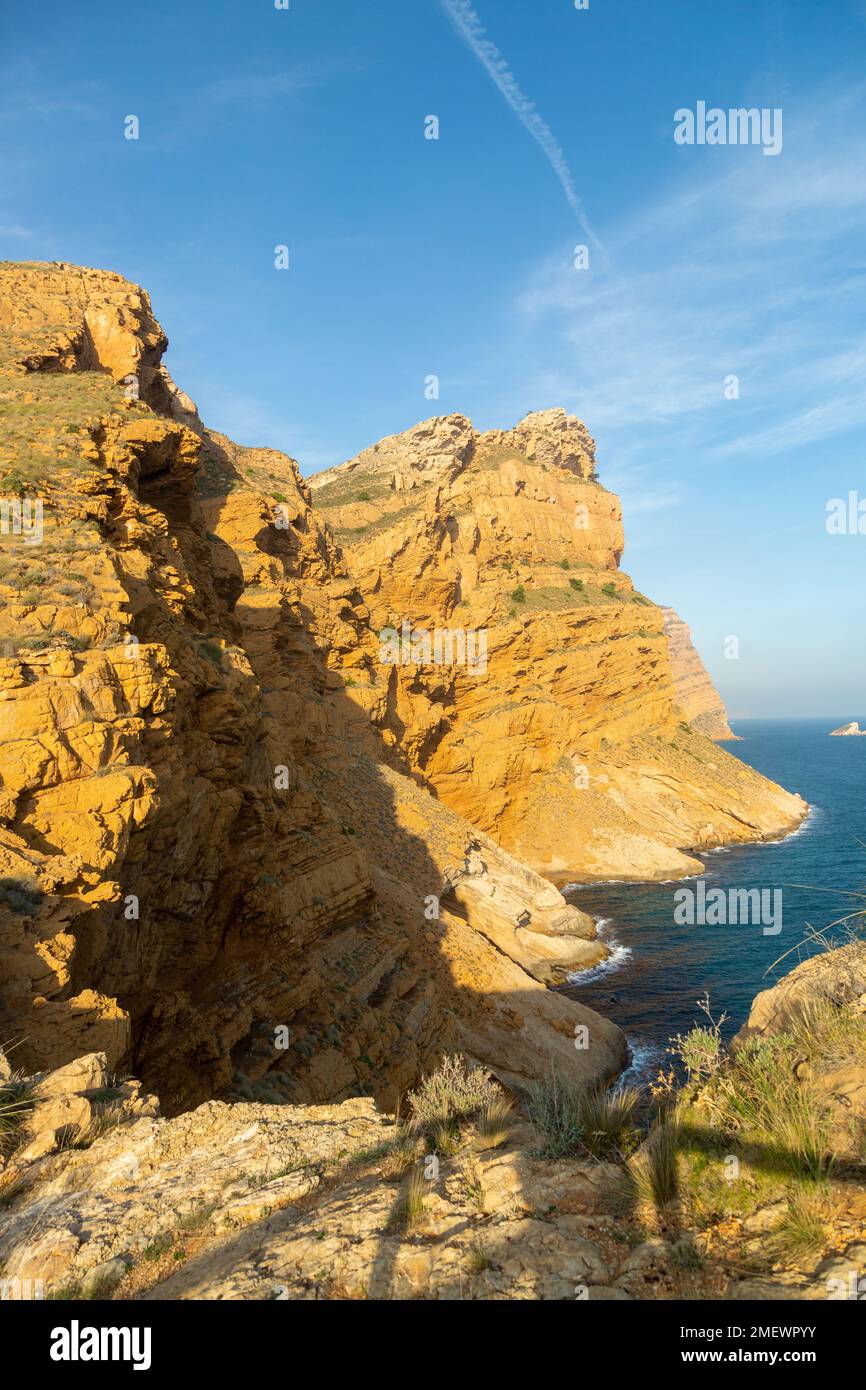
{"x":837,"y":977}
{"x":89,"y":1073}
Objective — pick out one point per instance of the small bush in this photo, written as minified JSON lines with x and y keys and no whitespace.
{"x":764,"y":1100}
{"x":452,"y":1093}
{"x":413,"y":1201}
{"x":701,"y":1052}
{"x":494,"y":1123}
{"x":655,"y":1170}
{"x":555,"y":1109}
{"x":477,"y":1260}
{"x":401,"y":1155}
{"x":158,"y":1247}
{"x":518,"y":595}
{"x":608,"y":1121}
{"x":804,"y":1227}
{"x":577,"y":585}
{"x":596,"y":1121}
{"x":212,"y":652}
{"x":445,"y":1137}
{"x":15,"y":1104}
{"x":21,"y":895}
{"x":609,"y":589}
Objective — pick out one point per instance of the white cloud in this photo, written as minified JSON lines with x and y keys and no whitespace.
{"x":738,"y":268}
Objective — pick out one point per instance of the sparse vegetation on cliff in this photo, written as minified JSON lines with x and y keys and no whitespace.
{"x":591,"y":1120}
{"x":757,"y":1153}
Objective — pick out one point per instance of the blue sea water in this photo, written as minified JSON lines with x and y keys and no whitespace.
{"x":659,"y":969}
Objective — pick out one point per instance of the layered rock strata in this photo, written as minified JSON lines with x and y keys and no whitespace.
{"x":214,"y":868}
{"x":527,"y":681}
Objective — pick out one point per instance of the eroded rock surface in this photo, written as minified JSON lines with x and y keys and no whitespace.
{"x":579,"y":737}
{"x":215,"y":867}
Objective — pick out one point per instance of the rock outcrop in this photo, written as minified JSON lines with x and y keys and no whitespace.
{"x":284,"y":1202}
{"x":248,"y":859}
{"x":829,"y":985}
{"x":852,"y":730}
{"x":270,"y":1202}
{"x":214,"y":866}
{"x":519,"y":673}
{"x":834,"y":978}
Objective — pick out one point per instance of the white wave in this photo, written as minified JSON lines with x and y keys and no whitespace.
{"x":617,"y":958}
{"x":807,"y":823}
{"x":646,"y":1059}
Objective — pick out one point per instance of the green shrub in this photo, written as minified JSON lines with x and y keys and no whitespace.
{"x":555,"y":1109}
{"x":577,"y":585}
{"x":454,"y":1092}
{"x":803,"y":1228}
{"x":593,"y":1120}
{"x":701,"y":1052}
{"x":15,"y":1104}
{"x":20,"y":895}
{"x":655,"y":1169}
{"x":608,"y":1121}
{"x":763,"y":1099}
{"x":518,"y":595}
{"x":212,"y":651}
{"x":494,"y":1123}
{"x":413,"y":1201}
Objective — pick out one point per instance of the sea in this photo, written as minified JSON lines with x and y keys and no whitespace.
{"x":660,"y":969}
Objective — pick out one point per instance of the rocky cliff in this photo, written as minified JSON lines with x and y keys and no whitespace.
{"x":694,"y":692}
{"x":527,"y":681}
{"x":215,"y":867}
{"x":341,"y":1201}
{"x":249,"y":856}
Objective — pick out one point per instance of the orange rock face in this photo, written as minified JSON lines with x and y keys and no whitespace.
{"x":695,"y":693}
{"x":217,"y":865}
{"x":529,"y":684}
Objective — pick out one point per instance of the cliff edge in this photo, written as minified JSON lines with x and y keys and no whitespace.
{"x":213,"y":868}
{"x":562,"y":711}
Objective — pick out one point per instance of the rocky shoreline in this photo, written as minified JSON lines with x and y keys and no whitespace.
{"x":285,"y":878}
{"x":268,"y":1201}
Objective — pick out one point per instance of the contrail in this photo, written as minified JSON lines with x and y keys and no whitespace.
{"x":468,"y":25}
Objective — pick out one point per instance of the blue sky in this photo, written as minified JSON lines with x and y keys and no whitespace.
{"x":411,"y":257}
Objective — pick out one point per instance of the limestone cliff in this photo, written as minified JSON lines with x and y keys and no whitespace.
{"x":694,"y":692}
{"x":262,"y":1202}
{"x":577,"y":736}
{"x":209,"y":869}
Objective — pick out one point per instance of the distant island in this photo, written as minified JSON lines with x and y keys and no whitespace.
{"x":848,"y":730}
